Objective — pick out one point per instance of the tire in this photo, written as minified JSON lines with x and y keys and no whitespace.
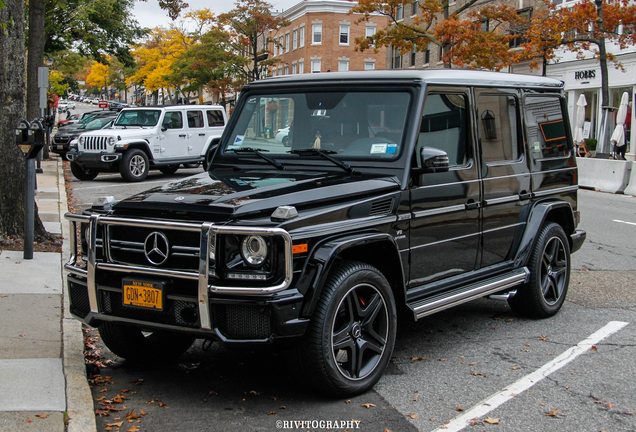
{"x":208,"y":159}
{"x":169,"y":169}
{"x":132,"y":344}
{"x":549,"y":265}
{"x":134,"y":165}
{"x":192,"y":165}
{"x":286,"y":141}
{"x":83,"y":173}
{"x":356,"y":312}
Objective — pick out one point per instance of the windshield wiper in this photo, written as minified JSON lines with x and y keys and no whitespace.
{"x":258,"y":153}
{"x":324,"y":154}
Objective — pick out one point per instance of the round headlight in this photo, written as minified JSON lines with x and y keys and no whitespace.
{"x":111,"y":141}
{"x":81,"y":140}
{"x":254,"y":250}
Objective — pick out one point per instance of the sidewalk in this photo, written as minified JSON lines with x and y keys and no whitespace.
{"x":43,"y":385}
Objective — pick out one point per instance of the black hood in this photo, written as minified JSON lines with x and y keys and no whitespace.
{"x":238,"y":193}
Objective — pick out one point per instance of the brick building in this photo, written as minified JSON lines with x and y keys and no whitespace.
{"x":321,"y":38}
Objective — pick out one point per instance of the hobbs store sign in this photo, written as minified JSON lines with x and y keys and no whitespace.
{"x":585,"y":75}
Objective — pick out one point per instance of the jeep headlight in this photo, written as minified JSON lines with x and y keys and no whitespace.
{"x":81,"y":140}
{"x":254,"y":250}
{"x":111,"y":141}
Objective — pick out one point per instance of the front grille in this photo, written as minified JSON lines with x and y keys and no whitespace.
{"x":94,"y":143}
{"x":80,"y":305}
{"x":243,"y":322}
{"x":127,"y":246}
{"x":175,"y":312}
{"x":60,"y":140}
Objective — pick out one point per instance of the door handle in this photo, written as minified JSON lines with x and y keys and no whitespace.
{"x":525,"y":195}
{"x":202,"y":134}
{"x":472,"y":205}
{"x":182,"y":135}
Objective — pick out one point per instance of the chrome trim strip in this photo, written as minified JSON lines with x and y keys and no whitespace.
{"x":504,"y":227}
{"x":323,"y":231}
{"x":514,"y":279}
{"x":74,"y":270}
{"x":204,"y":268}
{"x":127,"y":243}
{"x":147,"y":271}
{"x":90,"y":274}
{"x":124,"y":249}
{"x":404,"y":216}
{"x":438,"y":211}
{"x":556,"y":191}
{"x":446,"y":241}
{"x":501,"y":200}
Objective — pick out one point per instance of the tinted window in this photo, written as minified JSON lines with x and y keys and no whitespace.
{"x":195,"y":119}
{"x":546,"y":129}
{"x":138,"y":117}
{"x":215,"y":118}
{"x":173,"y":120}
{"x":443,"y":127}
{"x":498,"y":130}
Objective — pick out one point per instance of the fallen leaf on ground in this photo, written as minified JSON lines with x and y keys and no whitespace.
{"x":138,"y":381}
{"x":594,"y":348}
{"x":367,"y":405}
{"x":418,"y":359}
{"x":348,"y":401}
{"x":514,"y":367}
{"x":413,"y":416}
{"x":133,"y":429}
{"x":414,"y":400}
{"x":542,"y":337}
{"x":271,"y":413}
{"x":553,"y":413}
{"x":459,"y":409}
{"x":118,"y":424}
{"x":42,"y":416}
{"x":491,"y":420}
{"x":443,"y":359}
{"x":101,"y":413}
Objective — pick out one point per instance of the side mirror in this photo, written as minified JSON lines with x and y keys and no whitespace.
{"x":163,"y":128}
{"x":433,"y":160}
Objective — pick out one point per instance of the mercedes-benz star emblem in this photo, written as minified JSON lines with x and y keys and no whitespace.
{"x":156,"y":248}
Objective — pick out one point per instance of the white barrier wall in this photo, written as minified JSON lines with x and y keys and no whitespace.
{"x":631,"y":184}
{"x":606,"y":175}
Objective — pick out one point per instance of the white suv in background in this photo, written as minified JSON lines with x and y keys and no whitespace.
{"x":159,"y":137}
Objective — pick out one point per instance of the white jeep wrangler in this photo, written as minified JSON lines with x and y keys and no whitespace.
{"x":160,"y":137}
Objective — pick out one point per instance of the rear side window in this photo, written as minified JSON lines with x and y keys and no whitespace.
{"x":498,"y":126}
{"x":195,"y":119}
{"x":215,"y":118}
{"x":546,"y":129}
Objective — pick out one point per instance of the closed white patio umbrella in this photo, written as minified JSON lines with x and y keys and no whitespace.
{"x":618,"y":137}
{"x":580,"y":120}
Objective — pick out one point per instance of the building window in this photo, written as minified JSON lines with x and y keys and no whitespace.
{"x":274,"y":72}
{"x":414,"y":8}
{"x":369,"y":34}
{"x":301,"y":66}
{"x":286,"y":69}
{"x":343,"y":65}
{"x":399,"y":13}
{"x":427,"y":55}
{"x":315,"y":65}
{"x":316,"y":30}
{"x":369,"y":65}
{"x":294,"y":70}
{"x":275,"y":48}
{"x":287,"y":42}
{"x":280,"y":45}
{"x":485,"y":25}
{"x":302,"y":36}
{"x":280,"y":70}
{"x":413,"y":57}
{"x":344,"y":34}
{"x":397,"y":59}
{"x":295,"y":41}
{"x":519,"y":30}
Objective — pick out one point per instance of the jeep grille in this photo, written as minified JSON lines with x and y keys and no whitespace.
{"x":94,"y":143}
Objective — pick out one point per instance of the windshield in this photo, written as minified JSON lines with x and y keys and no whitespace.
{"x":355,"y":124}
{"x":98,"y":123}
{"x":138,"y":117}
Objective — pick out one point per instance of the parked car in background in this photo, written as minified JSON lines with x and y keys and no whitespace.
{"x":282,"y":136}
{"x":73,"y":119}
{"x":64,"y":136}
{"x":141,"y":139}
{"x":117,"y":106}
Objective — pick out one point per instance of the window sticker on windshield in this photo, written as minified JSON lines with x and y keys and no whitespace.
{"x":239,"y":140}
{"x":392,"y":148}
{"x":378,"y":148}
{"x":537,"y":146}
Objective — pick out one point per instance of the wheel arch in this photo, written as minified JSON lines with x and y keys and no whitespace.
{"x":384,"y":255}
{"x":141,"y":145}
{"x":559,"y":212}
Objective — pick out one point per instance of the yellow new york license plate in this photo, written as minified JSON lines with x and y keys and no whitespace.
{"x":143,"y":294}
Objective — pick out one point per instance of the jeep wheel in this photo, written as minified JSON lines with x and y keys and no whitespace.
{"x":132,"y":344}
{"x":83,"y":173}
{"x":169,"y":169}
{"x":134,"y":165}
{"x":286,"y":142}
{"x":351,"y":337}
{"x":192,"y":165}
{"x":549,"y":266}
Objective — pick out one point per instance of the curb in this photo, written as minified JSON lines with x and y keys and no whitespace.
{"x":79,"y":401}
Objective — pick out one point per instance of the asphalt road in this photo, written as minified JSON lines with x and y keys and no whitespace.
{"x":463,"y":357}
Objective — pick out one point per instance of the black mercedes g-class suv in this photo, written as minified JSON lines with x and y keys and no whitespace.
{"x":403,"y":193}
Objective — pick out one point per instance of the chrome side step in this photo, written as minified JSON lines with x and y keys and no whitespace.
{"x":438,"y":302}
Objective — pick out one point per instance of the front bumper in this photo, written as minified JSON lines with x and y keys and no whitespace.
{"x":102,"y":160}
{"x":232,"y":314}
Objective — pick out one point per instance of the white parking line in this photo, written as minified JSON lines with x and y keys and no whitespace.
{"x":117,"y":185}
{"x":528,"y":381}
{"x":620,"y":221}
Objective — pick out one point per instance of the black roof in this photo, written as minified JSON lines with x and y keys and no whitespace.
{"x":431,"y":76}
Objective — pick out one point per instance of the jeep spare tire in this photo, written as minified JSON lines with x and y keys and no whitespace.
{"x":134,"y":165}
{"x":83,"y":173}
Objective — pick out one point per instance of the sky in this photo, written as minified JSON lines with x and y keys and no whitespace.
{"x":149,"y":14}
